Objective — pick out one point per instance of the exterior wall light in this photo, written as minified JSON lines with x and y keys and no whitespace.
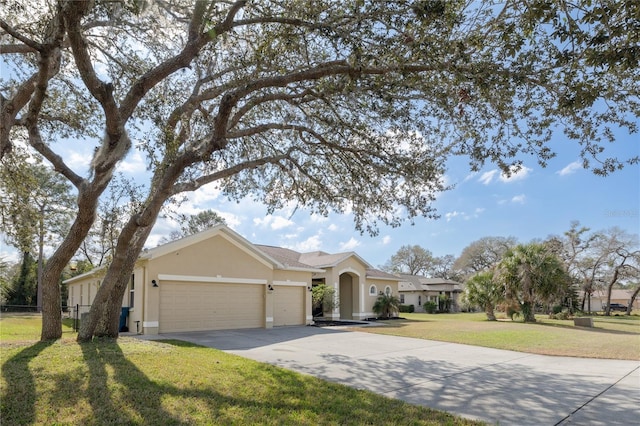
{"x":154,"y":283}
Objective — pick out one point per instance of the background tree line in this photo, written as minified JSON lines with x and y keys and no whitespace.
{"x":560,"y":270}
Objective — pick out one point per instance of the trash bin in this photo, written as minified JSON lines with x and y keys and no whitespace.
{"x":124,"y":313}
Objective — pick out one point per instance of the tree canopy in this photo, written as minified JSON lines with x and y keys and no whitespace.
{"x":332,"y":105}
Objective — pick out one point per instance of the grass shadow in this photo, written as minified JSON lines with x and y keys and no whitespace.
{"x":19,"y":404}
{"x":141,"y":400}
{"x":594,"y":329}
{"x":180,"y":343}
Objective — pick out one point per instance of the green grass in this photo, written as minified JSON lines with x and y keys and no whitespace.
{"x":616,"y":337}
{"x":26,"y":327}
{"x":130,"y":381}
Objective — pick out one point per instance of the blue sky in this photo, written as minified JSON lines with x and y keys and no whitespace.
{"x":534,"y":203}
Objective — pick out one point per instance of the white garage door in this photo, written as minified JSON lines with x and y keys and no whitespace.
{"x":187,"y":306}
{"x":288,"y":305}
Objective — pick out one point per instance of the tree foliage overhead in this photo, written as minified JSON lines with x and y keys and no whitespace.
{"x":345,"y":106}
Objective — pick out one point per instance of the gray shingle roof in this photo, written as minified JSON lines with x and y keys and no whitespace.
{"x":285,"y":256}
{"x":377,"y":273}
{"x":417,"y":282}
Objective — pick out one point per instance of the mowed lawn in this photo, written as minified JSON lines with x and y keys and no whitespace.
{"x":615,"y":337}
{"x":131,"y":381}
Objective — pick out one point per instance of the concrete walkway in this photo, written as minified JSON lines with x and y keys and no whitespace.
{"x":496,"y":386}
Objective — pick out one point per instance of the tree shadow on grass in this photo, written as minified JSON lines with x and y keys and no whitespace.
{"x":252,"y":395}
{"x":594,"y":329}
{"x":18,"y":405}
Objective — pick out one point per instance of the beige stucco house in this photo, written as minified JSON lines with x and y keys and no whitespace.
{"x":217,"y":279}
{"x":416,"y":290}
{"x":620,"y":296}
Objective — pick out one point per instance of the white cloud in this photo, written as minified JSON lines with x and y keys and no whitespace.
{"x":231,"y":219}
{"x":349,"y":245}
{"x":280,"y":222}
{"x":78,"y":161}
{"x":386,"y":239}
{"x":134,"y":163}
{"x":469,"y":176}
{"x":570,"y":168}
{"x":515,"y":175}
{"x":205,"y":194}
{"x":333,"y":227}
{"x":318,"y":218}
{"x":273,"y":222}
{"x":452,"y":214}
{"x":519,"y":199}
{"x":312,"y":243}
{"x":479,"y":210}
{"x":487,"y":177}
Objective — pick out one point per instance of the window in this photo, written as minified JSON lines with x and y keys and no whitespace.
{"x":387,"y":291}
{"x":81,"y":287}
{"x":419,"y":300}
{"x":132,"y":290}
{"x":373,"y":290}
{"x":401,"y":298}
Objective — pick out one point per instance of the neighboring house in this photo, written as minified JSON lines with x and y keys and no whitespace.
{"x":216,"y":279}
{"x":621,"y":296}
{"x":416,"y":290}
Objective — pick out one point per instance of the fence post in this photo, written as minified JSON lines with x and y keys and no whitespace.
{"x":76,"y":318}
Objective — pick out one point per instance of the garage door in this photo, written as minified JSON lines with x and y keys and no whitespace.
{"x":288,"y":305}
{"x":187,"y":306}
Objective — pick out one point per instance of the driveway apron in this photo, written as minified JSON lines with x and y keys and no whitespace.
{"x":496,"y":386}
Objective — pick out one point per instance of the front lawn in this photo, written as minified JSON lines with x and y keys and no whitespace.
{"x":131,"y":381}
{"x":616,"y":337}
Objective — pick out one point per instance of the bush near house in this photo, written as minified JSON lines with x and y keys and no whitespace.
{"x":430,"y":307}
{"x":407,"y":308}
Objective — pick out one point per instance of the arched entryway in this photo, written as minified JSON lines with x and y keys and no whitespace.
{"x":349,"y":284}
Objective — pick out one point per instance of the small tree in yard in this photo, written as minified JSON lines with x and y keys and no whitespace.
{"x":531,"y":274}
{"x":483,"y":291}
{"x":324,"y":298}
{"x":386,"y":305}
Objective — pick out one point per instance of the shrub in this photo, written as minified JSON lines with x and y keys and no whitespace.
{"x":430,"y":307}
{"x":407,"y":308}
{"x":562,"y":315}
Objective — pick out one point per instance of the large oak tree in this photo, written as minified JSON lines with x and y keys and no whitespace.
{"x":334,"y":105}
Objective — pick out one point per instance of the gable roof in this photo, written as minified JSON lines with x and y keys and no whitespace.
{"x":381,"y":275}
{"x":218,"y":230}
{"x":420,"y":283}
{"x":287,"y":257}
{"x":320,"y":259}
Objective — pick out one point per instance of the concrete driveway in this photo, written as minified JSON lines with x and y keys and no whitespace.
{"x":497,"y":386}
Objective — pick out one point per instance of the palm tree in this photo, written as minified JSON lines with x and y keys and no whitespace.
{"x":532,"y":274}
{"x":483,"y":291}
{"x":385,"y":305}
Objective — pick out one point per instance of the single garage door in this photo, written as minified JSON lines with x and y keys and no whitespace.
{"x":288,"y":305}
{"x":188,"y":306}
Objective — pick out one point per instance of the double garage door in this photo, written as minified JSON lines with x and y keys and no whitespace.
{"x":188,"y":306}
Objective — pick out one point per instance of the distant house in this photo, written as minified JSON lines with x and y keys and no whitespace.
{"x":621,"y":296}
{"x":417,"y":290}
{"x":216,"y":279}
